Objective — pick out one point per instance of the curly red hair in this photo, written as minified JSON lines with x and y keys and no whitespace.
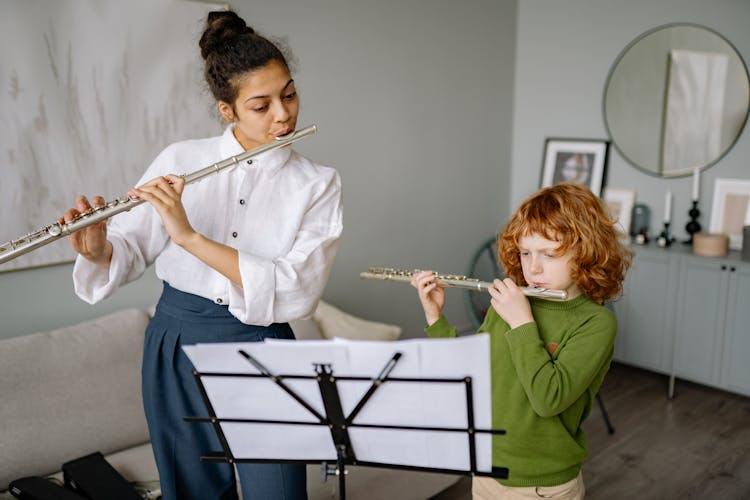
{"x":576,"y":218}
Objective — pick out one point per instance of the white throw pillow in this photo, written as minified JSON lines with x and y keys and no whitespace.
{"x":334,"y":322}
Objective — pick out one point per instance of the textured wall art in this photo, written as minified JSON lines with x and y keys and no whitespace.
{"x":91,"y":92}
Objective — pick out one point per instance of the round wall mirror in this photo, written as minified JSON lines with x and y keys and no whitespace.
{"x":676,"y":98}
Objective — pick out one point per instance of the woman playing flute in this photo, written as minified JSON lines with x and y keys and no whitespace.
{"x":240,"y":254}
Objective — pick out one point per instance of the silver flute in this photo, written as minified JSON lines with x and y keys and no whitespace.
{"x":458,"y":281}
{"x":57,"y":230}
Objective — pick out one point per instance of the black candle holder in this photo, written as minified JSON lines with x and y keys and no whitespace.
{"x":693,"y":226}
{"x":665,"y":239}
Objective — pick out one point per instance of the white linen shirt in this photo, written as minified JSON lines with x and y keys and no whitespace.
{"x":283,"y":213}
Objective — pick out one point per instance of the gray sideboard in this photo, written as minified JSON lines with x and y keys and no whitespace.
{"x":687,"y":317}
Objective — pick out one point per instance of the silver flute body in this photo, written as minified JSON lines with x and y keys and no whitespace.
{"x":457,"y":281}
{"x":57,"y":230}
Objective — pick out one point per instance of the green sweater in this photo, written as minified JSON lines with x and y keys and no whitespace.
{"x":545,"y":375}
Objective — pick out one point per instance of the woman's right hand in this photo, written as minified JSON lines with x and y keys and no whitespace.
{"x":91,"y":242}
{"x":431,"y":294}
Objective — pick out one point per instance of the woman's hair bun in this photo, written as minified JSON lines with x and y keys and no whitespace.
{"x":231,"y":49}
{"x":222,"y":26}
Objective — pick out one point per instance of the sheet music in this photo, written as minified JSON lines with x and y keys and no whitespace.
{"x":418,"y":404}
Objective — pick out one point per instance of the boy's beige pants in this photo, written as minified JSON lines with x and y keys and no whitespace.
{"x":487,"y":488}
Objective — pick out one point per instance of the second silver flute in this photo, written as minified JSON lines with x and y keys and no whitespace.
{"x":456,"y":281}
{"x":56,"y":230}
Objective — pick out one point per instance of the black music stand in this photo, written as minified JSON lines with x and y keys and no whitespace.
{"x":340,"y":425}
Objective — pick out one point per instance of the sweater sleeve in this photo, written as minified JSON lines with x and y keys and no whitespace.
{"x":553,"y":382}
{"x":441,"y":329}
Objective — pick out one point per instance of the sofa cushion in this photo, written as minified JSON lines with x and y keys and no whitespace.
{"x":305,"y":329}
{"x":69,"y":392}
{"x":334,"y":322}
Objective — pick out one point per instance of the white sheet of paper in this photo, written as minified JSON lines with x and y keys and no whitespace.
{"x":433,"y":449}
{"x":407,"y":403}
{"x":278,"y":441}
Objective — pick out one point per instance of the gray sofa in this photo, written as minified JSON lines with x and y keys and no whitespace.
{"x":76,"y":390}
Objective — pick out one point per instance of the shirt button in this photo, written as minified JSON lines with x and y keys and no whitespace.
{"x":219,"y":301}
{"x":242,"y":202}
{"x":234,"y":234}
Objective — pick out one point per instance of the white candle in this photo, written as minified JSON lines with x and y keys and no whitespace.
{"x":668,"y":207}
{"x":696,"y":183}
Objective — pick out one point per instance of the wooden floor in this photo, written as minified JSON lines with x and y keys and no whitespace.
{"x":695,"y":446}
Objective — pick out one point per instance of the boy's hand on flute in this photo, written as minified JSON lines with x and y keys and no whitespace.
{"x":510,"y":302}
{"x":431,"y":294}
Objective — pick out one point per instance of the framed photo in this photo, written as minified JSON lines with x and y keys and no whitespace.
{"x":730,"y":210}
{"x":581,"y":161}
{"x":620,"y":203}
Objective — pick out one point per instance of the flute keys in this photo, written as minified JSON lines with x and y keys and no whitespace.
{"x":458,"y":277}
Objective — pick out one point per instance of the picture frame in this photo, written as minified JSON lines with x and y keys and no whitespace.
{"x":730,"y":209}
{"x":581,"y":161}
{"x":620,"y":203}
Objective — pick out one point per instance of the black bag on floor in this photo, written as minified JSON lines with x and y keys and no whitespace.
{"x":94,"y":477}
{"x":39,"y":488}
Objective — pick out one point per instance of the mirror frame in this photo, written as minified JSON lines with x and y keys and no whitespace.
{"x":613,"y":67}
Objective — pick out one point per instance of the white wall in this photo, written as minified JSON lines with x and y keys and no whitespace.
{"x":564,"y":53}
{"x":413,"y":101}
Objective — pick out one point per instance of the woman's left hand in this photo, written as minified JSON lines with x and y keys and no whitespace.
{"x":510,"y":302}
{"x":165,"y":195}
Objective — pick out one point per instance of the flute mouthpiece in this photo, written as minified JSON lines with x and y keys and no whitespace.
{"x":282,"y":137}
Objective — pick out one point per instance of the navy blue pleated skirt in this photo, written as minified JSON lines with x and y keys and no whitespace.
{"x":171,"y":393}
